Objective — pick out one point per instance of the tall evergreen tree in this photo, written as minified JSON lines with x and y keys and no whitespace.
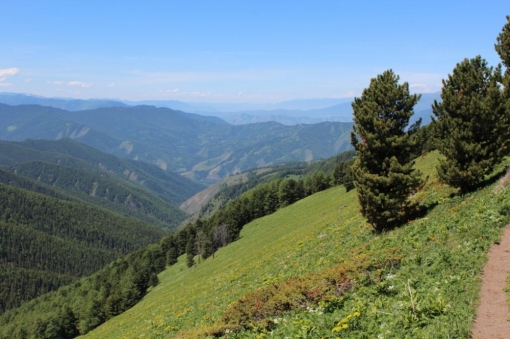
{"x":383,"y":171}
{"x":503,"y":48}
{"x":171,"y":256}
{"x":190,"y":252}
{"x":342,"y":175}
{"x":471,"y":125}
{"x":503,"y":44}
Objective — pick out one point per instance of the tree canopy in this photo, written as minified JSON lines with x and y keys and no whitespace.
{"x":471,"y":124}
{"x":383,"y":171}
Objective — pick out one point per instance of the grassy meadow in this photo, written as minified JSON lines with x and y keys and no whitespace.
{"x":315,"y":269}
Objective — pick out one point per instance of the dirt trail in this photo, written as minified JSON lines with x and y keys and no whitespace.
{"x":492,"y":313}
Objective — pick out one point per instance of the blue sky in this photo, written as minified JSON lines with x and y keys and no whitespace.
{"x":237,"y":51}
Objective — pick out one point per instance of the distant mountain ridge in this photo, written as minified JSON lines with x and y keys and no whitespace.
{"x":15,"y":99}
{"x":341,"y":112}
{"x":293,"y":112}
{"x":201,"y":148}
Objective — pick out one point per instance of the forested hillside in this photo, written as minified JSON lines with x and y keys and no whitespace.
{"x":47,"y":242}
{"x":65,"y":152}
{"x":104,"y":191}
{"x":67,"y":210}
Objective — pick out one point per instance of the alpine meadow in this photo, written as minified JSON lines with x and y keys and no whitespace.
{"x":275,"y":211}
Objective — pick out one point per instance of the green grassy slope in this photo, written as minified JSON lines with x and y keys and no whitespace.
{"x":422,"y":280}
{"x":271,"y":249}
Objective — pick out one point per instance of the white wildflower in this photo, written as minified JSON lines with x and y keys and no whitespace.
{"x":390,"y":276}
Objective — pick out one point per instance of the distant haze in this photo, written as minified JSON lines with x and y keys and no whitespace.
{"x":300,"y":111}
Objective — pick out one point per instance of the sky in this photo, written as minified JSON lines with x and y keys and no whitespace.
{"x":237,"y":51}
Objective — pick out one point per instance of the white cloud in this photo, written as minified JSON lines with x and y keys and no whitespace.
{"x":5,"y":73}
{"x":170,"y":92}
{"x":56,"y":82}
{"x":111,"y":85}
{"x":80,"y":84}
{"x":423,"y":82}
{"x":423,"y":88}
{"x":28,"y":80}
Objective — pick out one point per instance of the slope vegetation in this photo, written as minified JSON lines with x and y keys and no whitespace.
{"x":315,"y":269}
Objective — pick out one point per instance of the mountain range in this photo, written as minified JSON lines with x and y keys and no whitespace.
{"x":293,"y":112}
{"x":201,"y":148}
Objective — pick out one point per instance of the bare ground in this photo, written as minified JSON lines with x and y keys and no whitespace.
{"x":492,"y":314}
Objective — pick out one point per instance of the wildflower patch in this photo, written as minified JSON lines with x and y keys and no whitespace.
{"x":259,"y":309}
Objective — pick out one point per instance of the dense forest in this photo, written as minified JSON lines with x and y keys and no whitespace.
{"x":67,"y":210}
{"x":47,"y":242}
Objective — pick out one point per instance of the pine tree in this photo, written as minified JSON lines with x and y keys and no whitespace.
{"x":190,"y":252}
{"x":171,"y":256}
{"x":342,"y":175}
{"x":503,"y":44}
{"x":471,"y":126}
{"x":503,"y":49}
{"x":383,"y":171}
